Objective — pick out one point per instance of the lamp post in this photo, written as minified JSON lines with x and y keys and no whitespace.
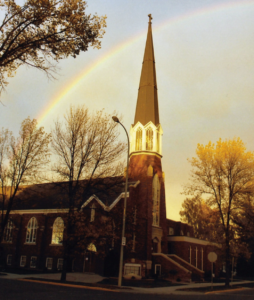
{"x":124,"y":209}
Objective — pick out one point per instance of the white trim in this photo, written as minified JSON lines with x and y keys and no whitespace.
{"x":191,"y":240}
{"x":135,"y":184}
{"x":155,"y":268}
{"x":157,"y":138}
{"x":122,"y":195}
{"x":147,"y":152}
{"x":95,"y":198}
{"x":187,"y":263}
{"x":172,"y":261}
{"x":107,"y":208}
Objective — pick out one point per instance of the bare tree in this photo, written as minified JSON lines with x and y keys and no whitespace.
{"x":28,"y":155}
{"x":88,"y":152}
{"x":224,"y":176}
{"x":45,"y":30}
{"x":5,"y":137}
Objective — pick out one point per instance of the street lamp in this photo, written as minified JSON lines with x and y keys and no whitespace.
{"x":124,"y":209}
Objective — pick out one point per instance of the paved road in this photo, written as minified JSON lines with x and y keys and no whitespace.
{"x":21,"y":290}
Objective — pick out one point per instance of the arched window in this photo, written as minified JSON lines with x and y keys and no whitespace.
{"x":92,"y":218}
{"x":139,"y":139}
{"x":149,"y":139}
{"x":31,"y":230}
{"x":8,"y":231}
{"x":57,"y":232}
{"x":91,"y":247}
{"x":158,"y":142}
{"x":156,"y":200}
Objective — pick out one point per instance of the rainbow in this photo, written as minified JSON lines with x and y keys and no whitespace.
{"x":117,"y":49}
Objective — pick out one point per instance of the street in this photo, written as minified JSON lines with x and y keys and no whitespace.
{"x":22,"y":290}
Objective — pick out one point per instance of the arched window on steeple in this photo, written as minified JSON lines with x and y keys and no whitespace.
{"x":139,"y":139}
{"x":156,"y":200}
{"x":149,"y":139}
{"x":158,"y":142}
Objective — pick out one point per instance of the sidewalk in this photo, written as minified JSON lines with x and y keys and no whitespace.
{"x":74,"y":277}
{"x":94,"y":278}
{"x":179,"y":290}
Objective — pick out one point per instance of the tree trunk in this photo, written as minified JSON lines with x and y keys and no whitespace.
{"x":66,"y":242}
{"x":227,"y":260}
{"x":64,"y":271}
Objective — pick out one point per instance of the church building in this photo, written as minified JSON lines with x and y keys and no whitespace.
{"x":35,"y":232}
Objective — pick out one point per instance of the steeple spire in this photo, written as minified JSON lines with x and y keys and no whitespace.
{"x":147,"y":104}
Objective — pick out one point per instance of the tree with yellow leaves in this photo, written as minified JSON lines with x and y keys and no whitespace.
{"x":223,"y":175}
{"x":43,"y":31}
{"x":203,"y":219}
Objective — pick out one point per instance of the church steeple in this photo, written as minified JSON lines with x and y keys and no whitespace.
{"x":147,"y":104}
{"x":146,"y":131}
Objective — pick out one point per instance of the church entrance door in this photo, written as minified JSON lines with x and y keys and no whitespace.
{"x":90,"y":258}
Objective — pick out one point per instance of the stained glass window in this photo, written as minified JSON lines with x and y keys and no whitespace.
{"x":57,"y":232}
{"x":8,"y":231}
{"x":31,"y":230}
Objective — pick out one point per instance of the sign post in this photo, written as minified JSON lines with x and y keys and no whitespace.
{"x":212,"y":257}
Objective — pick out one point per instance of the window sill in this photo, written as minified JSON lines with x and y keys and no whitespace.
{"x":6,"y":242}
{"x":26,"y":243}
{"x":56,"y":245}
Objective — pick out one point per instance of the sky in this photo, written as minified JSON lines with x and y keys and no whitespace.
{"x":204,"y":53}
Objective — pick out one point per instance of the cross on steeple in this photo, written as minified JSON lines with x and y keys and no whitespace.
{"x":150,"y":18}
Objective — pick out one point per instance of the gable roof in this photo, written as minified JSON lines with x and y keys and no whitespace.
{"x":54,"y":196}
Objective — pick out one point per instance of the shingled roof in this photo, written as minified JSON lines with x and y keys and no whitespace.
{"x":55,"y":195}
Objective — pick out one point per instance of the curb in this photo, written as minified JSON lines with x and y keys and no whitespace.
{"x":225,"y":291}
{"x":70,"y":285}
